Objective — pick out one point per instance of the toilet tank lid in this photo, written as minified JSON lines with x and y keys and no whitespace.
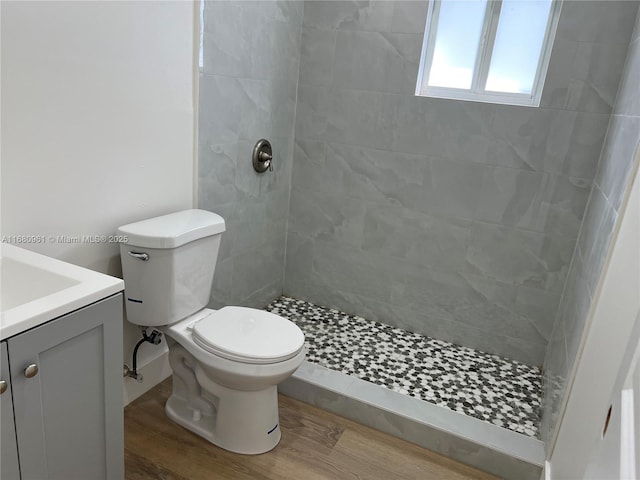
{"x":173,"y":230}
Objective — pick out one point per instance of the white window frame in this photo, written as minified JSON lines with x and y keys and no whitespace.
{"x":477,"y":91}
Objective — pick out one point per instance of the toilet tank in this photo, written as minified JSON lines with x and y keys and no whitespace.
{"x":168,"y":264}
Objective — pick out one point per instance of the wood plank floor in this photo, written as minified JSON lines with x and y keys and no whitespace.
{"x":315,"y":445}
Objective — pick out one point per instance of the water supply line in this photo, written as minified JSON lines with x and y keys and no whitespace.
{"x":155,"y":337}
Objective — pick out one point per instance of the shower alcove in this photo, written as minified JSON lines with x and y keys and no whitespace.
{"x":478,"y":408}
{"x":440,"y":219}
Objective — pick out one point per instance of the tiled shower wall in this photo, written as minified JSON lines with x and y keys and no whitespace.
{"x":613,"y":179}
{"x":248,"y":84}
{"x":454,"y":219}
{"x":449,"y":218}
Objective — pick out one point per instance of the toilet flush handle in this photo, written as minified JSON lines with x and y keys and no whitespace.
{"x":140,"y":256}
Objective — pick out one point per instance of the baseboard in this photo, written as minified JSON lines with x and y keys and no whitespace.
{"x":154,"y":371}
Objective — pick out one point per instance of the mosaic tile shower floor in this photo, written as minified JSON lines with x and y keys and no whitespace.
{"x":490,"y":388}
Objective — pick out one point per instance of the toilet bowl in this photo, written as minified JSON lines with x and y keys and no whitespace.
{"x":225,"y":392}
{"x":226,"y":363}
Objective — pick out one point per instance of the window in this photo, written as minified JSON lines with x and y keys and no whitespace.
{"x":487,"y":50}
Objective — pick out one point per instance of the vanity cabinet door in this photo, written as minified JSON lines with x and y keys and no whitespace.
{"x":8,"y":448}
{"x":67,"y":390}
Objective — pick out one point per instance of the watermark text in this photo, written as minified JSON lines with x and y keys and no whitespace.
{"x":63,"y":239}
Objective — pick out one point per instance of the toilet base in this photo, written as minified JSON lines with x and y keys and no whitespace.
{"x":241,"y":421}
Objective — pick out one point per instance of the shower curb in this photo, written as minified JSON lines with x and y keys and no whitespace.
{"x":466,"y":439}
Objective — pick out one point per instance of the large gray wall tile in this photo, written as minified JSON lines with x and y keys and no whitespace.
{"x":392,"y":232}
{"x":235,"y":44}
{"x":615,"y":21}
{"x":359,"y":117}
{"x":628,"y":101}
{"x":548,"y":140}
{"x":317,"y":51}
{"x":555,"y":375}
{"x":248,"y":89}
{"x":597,"y":226}
{"x":377,"y":61}
{"x":624,"y":135}
{"x":511,"y":197}
{"x":617,"y":167}
{"x":349,"y":15}
{"x":539,"y":307}
{"x":583,"y":76}
{"x":453,"y":188}
{"x":226,"y":42}
{"x":519,"y":257}
{"x":564,"y":200}
{"x":337,"y":218}
{"x":378,"y":176}
{"x":452,"y":129}
{"x":231,"y":121}
{"x":343,"y":267}
{"x":312,"y":109}
{"x":409,"y":16}
{"x":576,"y":308}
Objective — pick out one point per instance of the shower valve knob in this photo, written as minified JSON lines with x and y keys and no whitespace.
{"x":262,"y":157}
{"x":265,"y":157}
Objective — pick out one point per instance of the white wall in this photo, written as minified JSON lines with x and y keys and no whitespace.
{"x":609,"y":326}
{"x":98,"y":121}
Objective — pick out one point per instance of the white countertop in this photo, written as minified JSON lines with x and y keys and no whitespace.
{"x":35,"y":288}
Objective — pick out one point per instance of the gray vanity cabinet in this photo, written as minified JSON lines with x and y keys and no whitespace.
{"x":66,"y":380}
{"x":8,"y":446}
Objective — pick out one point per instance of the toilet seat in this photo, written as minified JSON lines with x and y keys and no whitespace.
{"x":248,"y":335}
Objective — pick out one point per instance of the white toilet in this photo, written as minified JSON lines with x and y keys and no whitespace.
{"x":226,"y":363}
